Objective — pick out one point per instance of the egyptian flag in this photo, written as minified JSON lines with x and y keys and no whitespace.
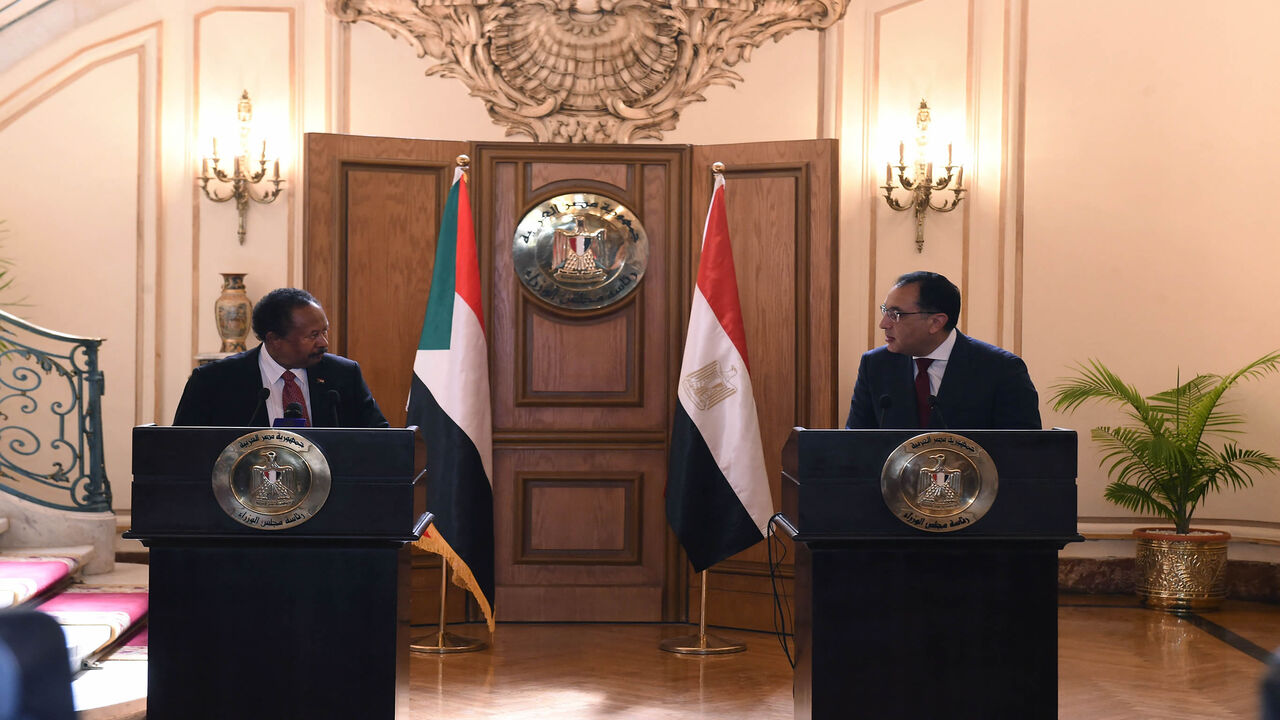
{"x":718,"y":498}
{"x":449,"y":401}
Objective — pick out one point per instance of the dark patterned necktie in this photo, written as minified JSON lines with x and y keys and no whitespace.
{"x":293,"y":394}
{"x":922,"y":390}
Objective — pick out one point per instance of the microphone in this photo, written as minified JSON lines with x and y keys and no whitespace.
{"x":263,"y":394}
{"x":334,"y":399}
{"x":886,"y":402}
{"x":293,"y":416}
{"x":936,"y":410}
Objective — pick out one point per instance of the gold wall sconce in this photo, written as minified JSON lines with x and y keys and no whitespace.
{"x":239,"y":184}
{"x":921,"y":184}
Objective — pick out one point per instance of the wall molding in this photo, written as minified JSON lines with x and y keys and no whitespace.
{"x":293,"y":254}
{"x":142,"y":45}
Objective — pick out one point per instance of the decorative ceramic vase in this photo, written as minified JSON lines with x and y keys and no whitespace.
{"x":1182,"y":573}
{"x":231,"y":312}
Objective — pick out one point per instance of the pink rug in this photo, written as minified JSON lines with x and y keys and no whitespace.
{"x":135,"y":648}
{"x":23,"y":579}
{"x":107,"y":611}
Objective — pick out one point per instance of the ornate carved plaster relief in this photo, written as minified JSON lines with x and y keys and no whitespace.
{"x":589,"y":70}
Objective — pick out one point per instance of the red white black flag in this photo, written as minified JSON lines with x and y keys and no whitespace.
{"x":718,"y":498}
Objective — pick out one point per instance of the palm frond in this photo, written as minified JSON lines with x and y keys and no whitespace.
{"x":1096,"y":381}
{"x":1162,"y":464}
{"x":1204,"y":408}
{"x":1137,"y":500}
{"x":1237,"y":465}
{"x":7,"y":280}
{"x":1129,"y":453}
{"x":1187,"y":392}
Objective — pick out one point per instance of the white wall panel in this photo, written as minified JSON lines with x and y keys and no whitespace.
{"x":237,"y":50}
{"x":390,"y":94}
{"x":1145,"y":243}
{"x":777,"y":99}
{"x":74,"y":157}
{"x":921,"y":54}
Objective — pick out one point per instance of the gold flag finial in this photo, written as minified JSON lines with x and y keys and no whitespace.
{"x":464,"y":161}
{"x":717,"y":167}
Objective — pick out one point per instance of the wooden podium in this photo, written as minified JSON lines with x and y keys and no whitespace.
{"x":897,"y":622}
{"x":309,"y":621}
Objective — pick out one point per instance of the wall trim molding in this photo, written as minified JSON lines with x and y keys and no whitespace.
{"x":143,"y":44}
{"x":1242,"y":531}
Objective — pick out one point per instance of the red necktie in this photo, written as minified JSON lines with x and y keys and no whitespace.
{"x":293,"y":394}
{"x":922,"y":390}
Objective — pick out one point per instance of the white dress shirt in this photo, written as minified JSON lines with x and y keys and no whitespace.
{"x":940,"y":355}
{"x":271,"y":379}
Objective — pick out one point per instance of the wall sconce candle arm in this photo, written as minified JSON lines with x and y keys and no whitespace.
{"x":922,"y":185}
{"x":239,"y":184}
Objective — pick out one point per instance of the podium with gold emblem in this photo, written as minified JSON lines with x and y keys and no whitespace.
{"x":279,"y":569}
{"x":926,"y":570}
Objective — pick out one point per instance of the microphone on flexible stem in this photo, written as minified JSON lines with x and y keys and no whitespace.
{"x":263,"y":394}
{"x":334,"y":399}
{"x":886,"y":402}
{"x":293,"y":416}
{"x":936,"y":410}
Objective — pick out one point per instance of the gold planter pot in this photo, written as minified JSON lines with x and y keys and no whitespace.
{"x":1182,"y":573}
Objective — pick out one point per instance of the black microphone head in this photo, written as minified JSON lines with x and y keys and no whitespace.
{"x":293,"y":410}
{"x":885,"y":402}
{"x":335,"y":399}
{"x":935,"y":409}
{"x":263,"y":394}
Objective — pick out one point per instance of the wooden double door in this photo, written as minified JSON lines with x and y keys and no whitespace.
{"x":583,"y":400}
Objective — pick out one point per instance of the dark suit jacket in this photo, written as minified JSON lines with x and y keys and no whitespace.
{"x":228,"y":393}
{"x":984,"y":387}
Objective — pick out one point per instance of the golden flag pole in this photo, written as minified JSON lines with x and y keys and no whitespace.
{"x":445,"y":642}
{"x":702,"y":643}
{"x":442,"y":641}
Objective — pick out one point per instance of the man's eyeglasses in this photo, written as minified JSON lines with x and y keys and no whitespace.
{"x":895,"y":314}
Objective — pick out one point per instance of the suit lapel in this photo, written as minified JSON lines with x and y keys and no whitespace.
{"x":957,"y":376}
{"x":318,"y":386}
{"x":902,"y":390}
{"x":251,"y":380}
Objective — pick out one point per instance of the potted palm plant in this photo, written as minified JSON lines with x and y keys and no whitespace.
{"x":1164,"y":464}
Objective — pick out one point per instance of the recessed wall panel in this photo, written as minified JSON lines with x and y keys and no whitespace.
{"x":583,"y":362}
{"x":579,"y":518}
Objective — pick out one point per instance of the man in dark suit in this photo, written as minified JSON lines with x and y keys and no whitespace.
{"x":929,"y":375}
{"x":292,"y":365}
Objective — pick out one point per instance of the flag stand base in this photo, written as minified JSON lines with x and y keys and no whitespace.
{"x":702,"y":643}
{"x":445,"y":642}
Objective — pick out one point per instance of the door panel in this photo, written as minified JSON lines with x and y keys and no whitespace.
{"x":582,"y":539}
{"x":581,"y":398}
{"x":553,"y":373}
{"x":532,"y":337}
